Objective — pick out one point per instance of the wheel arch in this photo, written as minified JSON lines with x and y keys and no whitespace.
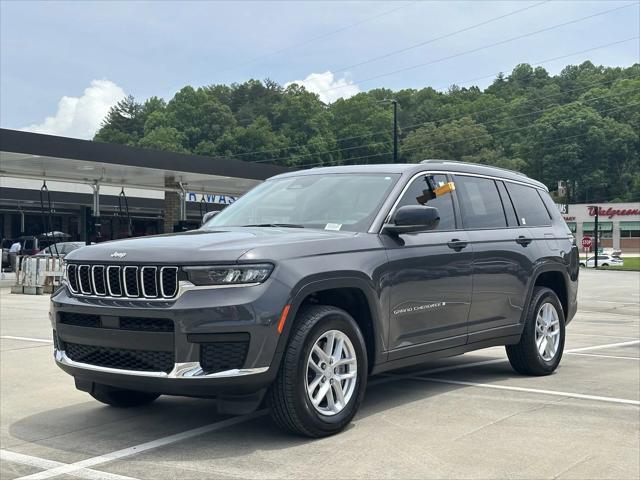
{"x":353,"y":294}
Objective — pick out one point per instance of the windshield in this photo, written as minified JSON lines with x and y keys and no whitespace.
{"x":330,"y":202}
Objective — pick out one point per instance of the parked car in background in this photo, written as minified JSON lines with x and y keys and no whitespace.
{"x":6,"y":245}
{"x":603,"y":261}
{"x":30,"y":245}
{"x":60,"y":248}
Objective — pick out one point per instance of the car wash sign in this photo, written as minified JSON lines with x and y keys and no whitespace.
{"x":211,"y":198}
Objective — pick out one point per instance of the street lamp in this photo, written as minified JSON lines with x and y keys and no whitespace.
{"x":394,"y":102}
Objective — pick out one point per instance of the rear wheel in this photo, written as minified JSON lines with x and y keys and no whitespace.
{"x":542,"y":343}
{"x":323,"y":374}
{"x":117,"y":397}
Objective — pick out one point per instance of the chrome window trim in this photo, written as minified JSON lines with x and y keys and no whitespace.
{"x":445,"y":172}
{"x":79,"y":270}
{"x":93,"y":280}
{"x":119,"y":277}
{"x":162,"y":292}
{"x":141,"y":281}
{"x":184,"y":370}
{"x":124,"y":281}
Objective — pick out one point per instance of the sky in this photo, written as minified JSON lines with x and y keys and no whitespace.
{"x":64,"y":64}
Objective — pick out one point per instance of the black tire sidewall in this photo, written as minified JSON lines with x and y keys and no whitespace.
{"x":334,"y":319}
{"x":546,"y":296}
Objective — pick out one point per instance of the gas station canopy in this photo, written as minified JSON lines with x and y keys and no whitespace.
{"x":48,"y":157}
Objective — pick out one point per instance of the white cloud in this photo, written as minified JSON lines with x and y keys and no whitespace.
{"x":80,"y":117}
{"x":327,"y":86}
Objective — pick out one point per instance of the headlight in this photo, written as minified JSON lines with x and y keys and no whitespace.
{"x":228,"y":274}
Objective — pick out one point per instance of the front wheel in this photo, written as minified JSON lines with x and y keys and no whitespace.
{"x":121,"y":398}
{"x":323,"y":375}
{"x":542,"y":342}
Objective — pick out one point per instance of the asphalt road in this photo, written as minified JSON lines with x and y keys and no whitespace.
{"x":465,"y":417}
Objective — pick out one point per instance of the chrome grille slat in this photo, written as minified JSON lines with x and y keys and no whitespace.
{"x":123,"y":281}
{"x":114,"y":281}
{"x":72,"y":277}
{"x":84,"y":279}
{"x":97,"y":280}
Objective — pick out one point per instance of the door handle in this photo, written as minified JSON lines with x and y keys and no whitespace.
{"x":524,"y":241}
{"x":456,"y":244}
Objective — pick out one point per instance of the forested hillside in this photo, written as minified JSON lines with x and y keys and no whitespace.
{"x":580,"y":126}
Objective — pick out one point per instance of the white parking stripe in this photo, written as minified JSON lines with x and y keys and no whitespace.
{"x":530,"y":390}
{"x":22,"y":459}
{"x":601,"y":347}
{"x":26,"y":339}
{"x":605,"y":356}
{"x":392,"y":377}
{"x":127,"y":452}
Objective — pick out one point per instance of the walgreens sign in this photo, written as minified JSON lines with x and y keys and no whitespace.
{"x":613,"y":212}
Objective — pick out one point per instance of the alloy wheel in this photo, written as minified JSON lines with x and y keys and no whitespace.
{"x":547,"y":331}
{"x":331,"y":372}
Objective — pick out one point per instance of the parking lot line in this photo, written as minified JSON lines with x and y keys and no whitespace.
{"x":601,"y":347}
{"x":68,"y":469}
{"x":618,"y":357}
{"x":43,"y":463}
{"x":26,"y":339}
{"x":390,"y":377}
{"x":582,"y":396}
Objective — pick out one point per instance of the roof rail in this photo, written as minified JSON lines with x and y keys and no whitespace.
{"x":474,"y":164}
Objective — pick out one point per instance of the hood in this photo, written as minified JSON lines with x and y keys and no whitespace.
{"x":223,"y":245}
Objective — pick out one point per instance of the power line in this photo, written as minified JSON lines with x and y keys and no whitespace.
{"x":484,"y":47}
{"x":342,"y":139}
{"x":499,"y":132}
{"x":319,"y":37}
{"x":441,"y":37}
{"x":456,"y":118}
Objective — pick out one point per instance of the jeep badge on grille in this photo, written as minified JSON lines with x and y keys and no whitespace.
{"x":118,"y":254}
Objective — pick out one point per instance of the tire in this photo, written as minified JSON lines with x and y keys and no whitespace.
{"x":289,"y":402}
{"x":605,"y":264}
{"x":525,"y":357}
{"x":117,"y":397}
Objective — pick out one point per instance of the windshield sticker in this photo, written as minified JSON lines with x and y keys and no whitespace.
{"x":333,"y":226}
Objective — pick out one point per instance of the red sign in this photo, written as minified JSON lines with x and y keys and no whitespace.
{"x":586,"y":242}
{"x":612,"y":212}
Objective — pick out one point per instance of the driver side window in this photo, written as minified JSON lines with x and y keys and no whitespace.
{"x":444,"y":203}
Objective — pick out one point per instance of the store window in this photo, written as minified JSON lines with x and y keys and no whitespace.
{"x":605,"y":229}
{"x":629,"y":229}
{"x":573,"y":226}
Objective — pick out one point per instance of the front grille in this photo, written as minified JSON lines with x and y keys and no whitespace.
{"x":123,"y":281}
{"x":120,"y":358}
{"x":80,"y":320}
{"x":146,"y":324}
{"x":221,"y":356}
{"x":139,"y":324}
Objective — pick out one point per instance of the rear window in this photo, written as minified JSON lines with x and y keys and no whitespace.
{"x":480,"y":202}
{"x":529,"y":206}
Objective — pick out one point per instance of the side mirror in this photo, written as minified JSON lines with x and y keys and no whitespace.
{"x":208,"y":216}
{"x":412,"y":218}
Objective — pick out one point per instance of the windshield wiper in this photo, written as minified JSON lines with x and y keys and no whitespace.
{"x":284,"y":225}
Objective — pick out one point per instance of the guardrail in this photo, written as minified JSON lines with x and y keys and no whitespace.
{"x":37,"y":275}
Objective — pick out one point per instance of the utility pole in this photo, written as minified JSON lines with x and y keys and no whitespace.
{"x":394,"y":102}
{"x":395,"y":131}
{"x":595,"y":236}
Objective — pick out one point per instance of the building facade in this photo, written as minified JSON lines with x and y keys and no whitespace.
{"x":618,"y":225}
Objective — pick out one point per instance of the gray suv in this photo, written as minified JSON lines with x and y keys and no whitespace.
{"x":315,"y":280}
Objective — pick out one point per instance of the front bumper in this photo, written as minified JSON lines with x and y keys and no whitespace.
{"x":199,"y":317}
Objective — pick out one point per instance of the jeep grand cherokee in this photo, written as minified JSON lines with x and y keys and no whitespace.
{"x":315,"y":280}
